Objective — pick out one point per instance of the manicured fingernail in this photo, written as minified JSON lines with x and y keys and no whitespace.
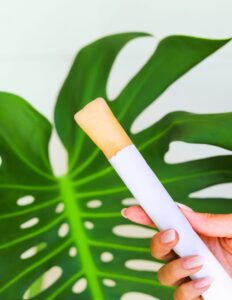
{"x":192,"y":262}
{"x":168,"y":236}
{"x":202,"y":283}
{"x":185,"y":207}
{"x":123,"y":213}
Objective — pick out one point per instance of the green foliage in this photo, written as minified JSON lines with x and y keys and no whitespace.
{"x":26,"y":171}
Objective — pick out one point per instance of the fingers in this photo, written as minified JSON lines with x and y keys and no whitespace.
{"x":212,"y":225}
{"x":162,"y":244}
{"x":178,"y":270}
{"x":173,"y":272}
{"x":137,"y":214}
{"x":192,"y":289}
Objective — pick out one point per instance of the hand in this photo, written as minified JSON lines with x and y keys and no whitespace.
{"x":215,"y":231}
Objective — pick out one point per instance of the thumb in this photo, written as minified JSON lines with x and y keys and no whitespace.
{"x":213,"y":225}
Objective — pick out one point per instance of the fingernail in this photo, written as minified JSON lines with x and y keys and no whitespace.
{"x":168,"y":236}
{"x":192,"y":262}
{"x":201,"y":283}
{"x":123,"y":213}
{"x":181,"y":205}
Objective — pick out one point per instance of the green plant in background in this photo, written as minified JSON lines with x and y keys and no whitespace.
{"x":32,"y":198}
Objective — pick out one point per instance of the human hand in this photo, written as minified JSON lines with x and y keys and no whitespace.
{"x":215,"y":231}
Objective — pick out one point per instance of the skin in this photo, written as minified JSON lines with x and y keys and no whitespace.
{"x":216,"y":232}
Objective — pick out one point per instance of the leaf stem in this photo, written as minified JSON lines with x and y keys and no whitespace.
{"x":80,"y":239}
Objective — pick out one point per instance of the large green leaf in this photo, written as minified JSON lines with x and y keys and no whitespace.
{"x":94,"y":227}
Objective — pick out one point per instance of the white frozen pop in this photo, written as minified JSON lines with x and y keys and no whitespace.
{"x":98,"y":121}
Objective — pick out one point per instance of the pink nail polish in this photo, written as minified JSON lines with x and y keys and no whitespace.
{"x":185,"y":207}
{"x":123,"y":213}
{"x":192,"y":262}
{"x":202,"y":283}
{"x":168,"y":236}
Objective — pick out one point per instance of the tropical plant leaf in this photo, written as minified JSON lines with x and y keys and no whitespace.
{"x":74,"y":221}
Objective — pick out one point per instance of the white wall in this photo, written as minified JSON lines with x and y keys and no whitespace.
{"x":38,"y":40}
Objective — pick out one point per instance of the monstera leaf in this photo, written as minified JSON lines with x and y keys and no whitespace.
{"x":70,"y":227}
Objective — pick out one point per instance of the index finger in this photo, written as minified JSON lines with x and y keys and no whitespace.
{"x":136,"y":214}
